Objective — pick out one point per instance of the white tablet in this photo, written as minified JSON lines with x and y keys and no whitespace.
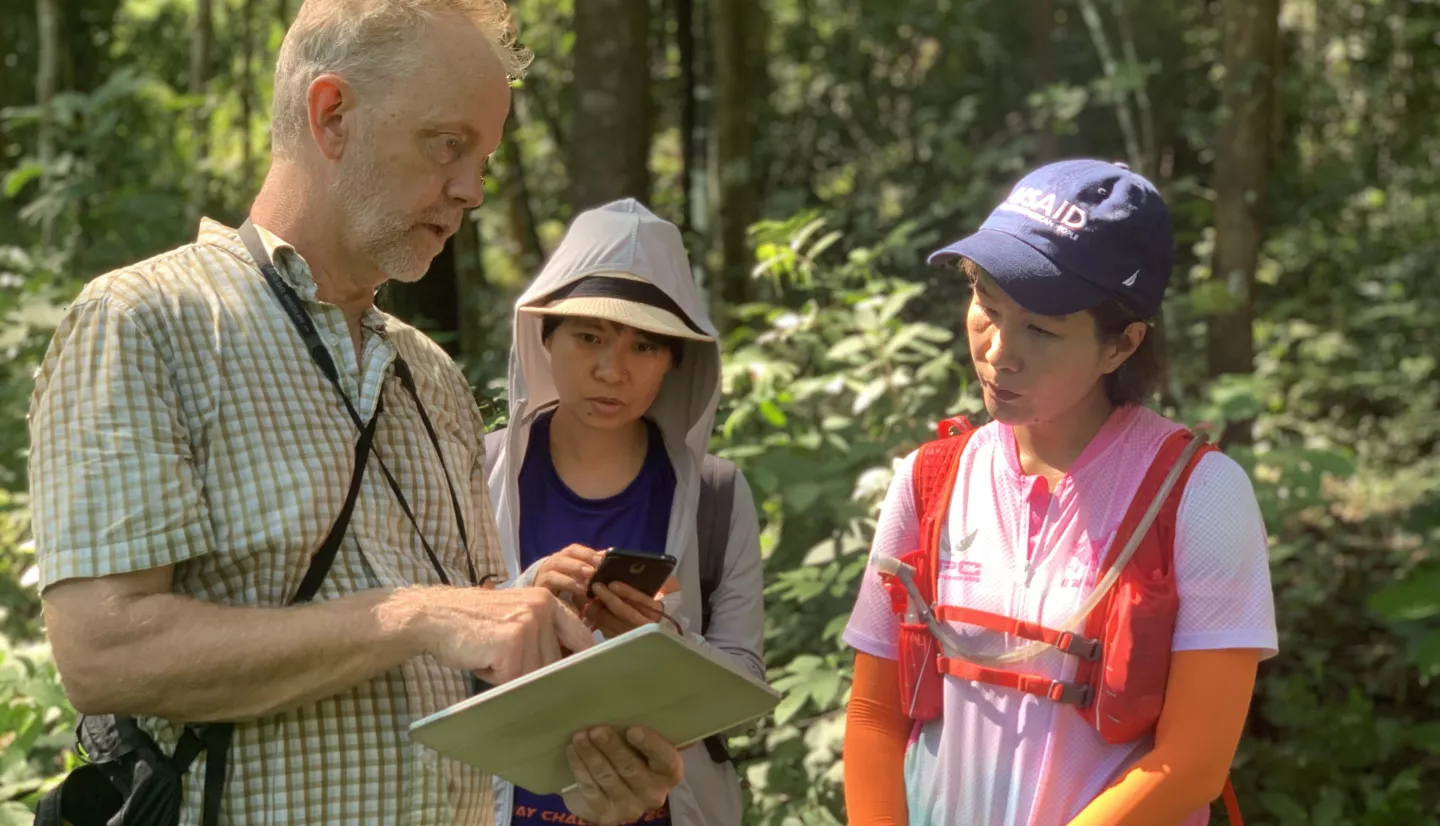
{"x":648,"y":676}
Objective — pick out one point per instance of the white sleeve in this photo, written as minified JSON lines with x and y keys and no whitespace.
{"x":873,"y":627}
{"x":1222,"y":564}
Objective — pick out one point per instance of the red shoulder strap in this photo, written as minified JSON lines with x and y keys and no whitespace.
{"x":933,"y":484}
{"x":1165,"y":459}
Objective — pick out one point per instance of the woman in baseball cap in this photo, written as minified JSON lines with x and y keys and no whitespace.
{"x":614,"y":383}
{"x":1012,"y":723}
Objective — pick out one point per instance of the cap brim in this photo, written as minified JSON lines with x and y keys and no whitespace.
{"x":1024,"y":273}
{"x":635,"y":314}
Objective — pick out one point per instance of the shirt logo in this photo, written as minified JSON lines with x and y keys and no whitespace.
{"x":953,"y":569}
{"x":965,"y":543}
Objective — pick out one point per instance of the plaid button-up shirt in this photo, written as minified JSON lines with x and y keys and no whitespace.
{"x":177,"y":420}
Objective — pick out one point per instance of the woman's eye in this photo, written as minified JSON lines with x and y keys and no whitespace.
{"x":1042,"y":333}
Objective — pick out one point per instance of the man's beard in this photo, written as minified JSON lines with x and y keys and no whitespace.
{"x":381,"y":235}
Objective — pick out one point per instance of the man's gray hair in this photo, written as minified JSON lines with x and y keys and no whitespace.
{"x":368,"y":40}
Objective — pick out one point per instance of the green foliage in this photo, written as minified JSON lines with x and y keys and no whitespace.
{"x":889,"y":128}
{"x":823,"y":393}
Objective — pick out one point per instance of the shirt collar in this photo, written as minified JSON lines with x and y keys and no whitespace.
{"x":288,"y":263}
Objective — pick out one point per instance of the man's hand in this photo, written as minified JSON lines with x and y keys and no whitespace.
{"x":499,"y":634}
{"x":618,"y":781}
{"x":620,"y":608}
{"x":568,"y":571}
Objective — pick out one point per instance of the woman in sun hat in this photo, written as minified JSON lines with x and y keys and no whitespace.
{"x":1001,"y":678}
{"x":614,"y":382}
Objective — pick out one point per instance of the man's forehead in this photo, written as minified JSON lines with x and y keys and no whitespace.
{"x":457,"y":76}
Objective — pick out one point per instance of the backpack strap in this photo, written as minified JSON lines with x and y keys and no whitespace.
{"x":712,"y":524}
{"x":932,"y":482}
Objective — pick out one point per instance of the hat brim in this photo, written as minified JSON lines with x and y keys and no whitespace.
{"x":646,"y":317}
{"x":1024,"y":273}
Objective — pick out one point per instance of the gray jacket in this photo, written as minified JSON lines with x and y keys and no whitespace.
{"x":624,"y":236}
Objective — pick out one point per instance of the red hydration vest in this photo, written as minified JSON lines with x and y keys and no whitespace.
{"x":1123,"y":646}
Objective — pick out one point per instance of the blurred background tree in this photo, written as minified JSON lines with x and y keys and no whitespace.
{"x":812,"y":152}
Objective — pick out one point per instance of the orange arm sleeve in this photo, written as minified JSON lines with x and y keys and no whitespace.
{"x":876,"y":732}
{"x":1206,"y":699}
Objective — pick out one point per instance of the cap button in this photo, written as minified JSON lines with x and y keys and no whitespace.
{"x":1122,"y":165}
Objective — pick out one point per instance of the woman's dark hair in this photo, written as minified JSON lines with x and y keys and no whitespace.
{"x":1134,"y":381}
{"x":675,"y":345}
{"x":1139,"y":376}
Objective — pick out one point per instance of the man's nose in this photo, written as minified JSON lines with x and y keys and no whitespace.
{"x":468,"y":186}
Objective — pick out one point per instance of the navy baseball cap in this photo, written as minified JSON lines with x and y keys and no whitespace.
{"x":1073,"y":234}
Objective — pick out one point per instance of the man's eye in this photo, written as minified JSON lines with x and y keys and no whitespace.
{"x":1041,"y":332}
{"x":448,"y":147}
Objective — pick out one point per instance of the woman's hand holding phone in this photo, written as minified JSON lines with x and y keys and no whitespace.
{"x":620,"y":608}
{"x":566,"y":573}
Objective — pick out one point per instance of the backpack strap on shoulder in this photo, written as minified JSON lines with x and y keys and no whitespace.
{"x":933,"y":480}
{"x":712,"y":524}
{"x":712,"y":528}
{"x":1159,"y":492}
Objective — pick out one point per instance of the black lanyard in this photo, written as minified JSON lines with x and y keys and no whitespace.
{"x":321,"y":355}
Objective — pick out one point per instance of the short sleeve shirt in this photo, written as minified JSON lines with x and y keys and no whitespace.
{"x":177,"y":420}
{"x":1010,"y":545}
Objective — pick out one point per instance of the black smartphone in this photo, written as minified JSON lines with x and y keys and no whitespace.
{"x":644,"y":572}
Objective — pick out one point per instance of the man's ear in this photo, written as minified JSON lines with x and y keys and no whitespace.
{"x":330,"y":107}
{"x":1124,"y":346}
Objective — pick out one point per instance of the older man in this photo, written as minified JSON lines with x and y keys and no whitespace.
{"x":232,"y":427}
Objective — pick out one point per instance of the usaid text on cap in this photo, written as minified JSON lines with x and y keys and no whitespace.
{"x":1063,"y":217}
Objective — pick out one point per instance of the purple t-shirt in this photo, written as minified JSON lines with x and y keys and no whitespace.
{"x":553,"y":516}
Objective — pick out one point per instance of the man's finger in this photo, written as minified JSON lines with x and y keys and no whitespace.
{"x":549,"y":642}
{"x":571,"y":631}
{"x":529,"y":658}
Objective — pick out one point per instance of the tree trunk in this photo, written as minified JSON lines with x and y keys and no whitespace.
{"x":199,"y":83}
{"x":685,"y":46}
{"x":737,"y":41}
{"x":47,"y":17}
{"x":472,"y":293}
{"x":609,"y":149}
{"x":1242,"y":168}
{"x":430,"y":304}
{"x":1042,"y":48}
{"x":523,"y":231}
{"x":247,"y":97}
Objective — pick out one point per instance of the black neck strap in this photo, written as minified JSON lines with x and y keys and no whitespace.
{"x":305,"y":326}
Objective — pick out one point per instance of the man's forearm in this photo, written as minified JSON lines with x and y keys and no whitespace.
{"x":184,"y":659}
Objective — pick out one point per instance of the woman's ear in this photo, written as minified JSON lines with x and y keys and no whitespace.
{"x":1116,"y":351}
